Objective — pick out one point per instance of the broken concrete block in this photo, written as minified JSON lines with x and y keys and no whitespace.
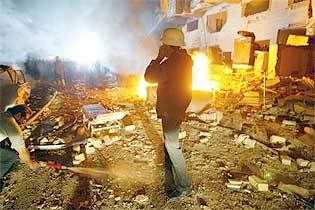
{"x":76,"y":148}
{"x":142,"y":199}
{"x":241,"y":138}
{"x":289,"y":188}
{"x":235,"y":181}
{"x":76,"y":162}
{"x":270,"y":118}
{"x":89,"y":150}
{"x":249,"y":143}
{"x":302,"y":163}
{"x":80,"y":157}
{"x":130,"y":128}
{"x":259,"y":184}
{"x":204,"y":134}
{"x":204,"y":140}
{"x":277,"y":139}
{"x":182,"y":135}
{"x":289,"y":122}
{"x":59,"y":141}
{"x":233,"y":186}
{"x":285,"y":160}
{"x":44,"y":140}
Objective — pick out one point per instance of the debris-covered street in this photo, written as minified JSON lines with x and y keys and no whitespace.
{"x":157,"y":104}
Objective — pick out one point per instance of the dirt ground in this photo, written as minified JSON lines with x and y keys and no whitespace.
{"x":129,"y":171}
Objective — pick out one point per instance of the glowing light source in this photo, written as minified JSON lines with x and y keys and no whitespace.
{"x":142,"y":88}
{"x":201,"y":76}
{"x":86,"y":49}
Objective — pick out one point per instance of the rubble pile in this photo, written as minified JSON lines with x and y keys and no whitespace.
{"x":241,"y":158}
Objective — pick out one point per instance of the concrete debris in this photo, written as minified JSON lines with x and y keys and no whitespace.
{"x":89,"y":150}
{"x":204,"y":140}
{"x":80,"y":157}
{"x":312,"y":166}
{"x":285,"y":160}
{"x":211,"y":116}
{"x":204,"y":134}
{"x":302,"y":163}
{"x":182,"y":135}
{"x":112,"y":140}
{"x":117,"y":198}
{"x":236,"y":181}
{"x":289,"y":123}
{"x":130,"y":128}
{"x":259,"y":184}
{"x":270,"y":118}
{"x":59,"y":141}
{"x":277,"y":139}
{"x":44,"y":140}
{"x":76,"y":148}
{"x":233,"y":186}
{"x":97,"y":143}
{"x":293,"y":189}
{"x":249,"y":143}
{"x":245,"y":140}
{"x":142,"y":199}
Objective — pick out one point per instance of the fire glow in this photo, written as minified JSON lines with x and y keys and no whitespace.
{"x":201,"y":76}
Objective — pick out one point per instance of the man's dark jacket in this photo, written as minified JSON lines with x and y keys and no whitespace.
{"x":174,"y":78}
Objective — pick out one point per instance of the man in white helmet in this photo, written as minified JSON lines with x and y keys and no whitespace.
{"x":172,"y":70}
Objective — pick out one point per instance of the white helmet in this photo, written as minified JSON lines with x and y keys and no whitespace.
{"x":173,"y":37}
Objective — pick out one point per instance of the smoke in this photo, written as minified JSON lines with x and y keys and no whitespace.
{"x":114,"y":32}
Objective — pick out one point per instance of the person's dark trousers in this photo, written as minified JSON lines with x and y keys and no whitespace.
{"x":7,"y":159}
{"x":176,"y":177}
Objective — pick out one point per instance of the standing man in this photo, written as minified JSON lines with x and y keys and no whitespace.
{"x":172,"y":70}
{"x":59,"y":73}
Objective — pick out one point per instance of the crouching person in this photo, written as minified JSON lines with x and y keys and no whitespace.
{"x":9,"y":129}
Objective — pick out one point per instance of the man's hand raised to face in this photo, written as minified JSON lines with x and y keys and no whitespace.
{"x":164,"y":51}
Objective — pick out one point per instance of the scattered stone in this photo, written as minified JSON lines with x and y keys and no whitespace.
{"x":270,"y":118}
{"x":89,"y":150}
{"x":76,"y":162}
{"x":130,"y":128}
{"x":259,"y":184}
{"x":302,"y":163}
{"x":44,"y":140}
{"x":204,"y":140}
{"x":59,"y":141}
{"x":312,"y":166}
{"x":235,"y":181}
{"x":80,"y":157}
{"x":289,"y":123}
{"x":142,"y":199}
{"x":117,"y":198}
{"x":285,"y":159}
{"x":182,"y":135}
{"x":76,"y":148}
{"x":289,"y":188}
{"x":249,"y":143}
{"x":233,"y":186}
{"x":205,"y":134}
{"x":277,"y":139}
{"x":97,"y":143}
{"x":239,"y":139}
